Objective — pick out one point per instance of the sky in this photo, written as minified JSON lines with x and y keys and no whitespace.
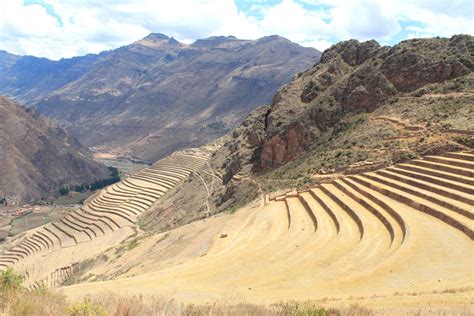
{"x":65,"y":28}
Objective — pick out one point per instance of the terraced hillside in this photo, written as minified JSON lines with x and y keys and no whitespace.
{"x":384,"y":234}
{"x":49,"y":254}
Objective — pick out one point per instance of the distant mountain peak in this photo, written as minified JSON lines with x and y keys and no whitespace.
{"x":173,"y":41}
{"x":273,"y":38}
{"x":156,"y":37}
{"x":157,"y":40}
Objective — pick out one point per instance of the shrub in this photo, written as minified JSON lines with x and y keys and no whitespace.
{"x":305,"y":309}
{"x":80,"y":188}
{"x":114,"y":172}
{"x":87,"y":308}
{"x":10,"y":281}
{"x":64,"y":191}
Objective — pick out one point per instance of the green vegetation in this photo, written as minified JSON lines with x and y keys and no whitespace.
{"x":114,"y":172}
{"x":128,"y":244}
{"x":31,"y":220}
{"x":64,"y":191}
{"x":78,"y":198}
{"x":16,"y":300}
{"x":10,"y":281}
{"x":99,"y":184}
{"x":79,"y":274}
{"x":217,"y":126}
{"x":86,"y":308}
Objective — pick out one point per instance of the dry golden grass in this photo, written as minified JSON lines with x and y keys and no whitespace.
{"x":43,"y":302}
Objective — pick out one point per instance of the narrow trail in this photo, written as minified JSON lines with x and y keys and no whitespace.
{"x":209,"y":192}
{"x":401,"y":125}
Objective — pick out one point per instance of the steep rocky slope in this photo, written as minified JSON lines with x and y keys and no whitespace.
{"x":157,"y":94}
{"x":353,"y":81}
{"x":38,"y":158}
{"x":363,"y":107}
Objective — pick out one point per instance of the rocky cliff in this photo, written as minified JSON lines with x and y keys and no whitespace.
{"x":351,"y":79}
{"x":37,"y":158}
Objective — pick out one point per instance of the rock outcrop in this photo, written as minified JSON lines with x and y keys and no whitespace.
{"x":352,"y":77}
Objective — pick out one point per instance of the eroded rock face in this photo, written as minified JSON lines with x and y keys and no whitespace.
{"x":352,"y":52}
{"x":415,"y":73}
{"x":366,"y":89}
{"x":310,"y":91}
{"x":352,"y":77}
{"x":231,"y":166}
{"x":413,"y":64}
{"x":280,"y":149}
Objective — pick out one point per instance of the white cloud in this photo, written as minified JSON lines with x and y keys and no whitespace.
{"x":290,"y":19}
{"x":365,"y":19}
{"x":29,"y":20}
{"x":92,"y":26}
{"x":320,"y":45}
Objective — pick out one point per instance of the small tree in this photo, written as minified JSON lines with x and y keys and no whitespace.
{"x":64,"y":191}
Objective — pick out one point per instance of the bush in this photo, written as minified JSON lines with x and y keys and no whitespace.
{"x":306,"y":308}
{"x":114,"y":172}
{"x":99,"y":184}
{"x":87,"y":308}
{"x":64,"y":191}
{"x":38,"y":303}
{"x":81,"y":188}
{"x":10,"y":281}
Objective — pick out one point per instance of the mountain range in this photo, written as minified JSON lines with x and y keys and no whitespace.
{"x":156,"y":95}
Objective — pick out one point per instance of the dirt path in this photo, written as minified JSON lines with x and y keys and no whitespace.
{"x":401,"y":125}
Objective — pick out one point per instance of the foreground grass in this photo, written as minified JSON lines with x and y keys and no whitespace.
{"x":16,"y":300}
{"x":48,"y":303}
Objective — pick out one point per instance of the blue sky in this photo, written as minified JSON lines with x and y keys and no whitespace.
{"x":66,"y":28}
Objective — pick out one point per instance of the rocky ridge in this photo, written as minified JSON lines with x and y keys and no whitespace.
{"x":351,"y":78}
